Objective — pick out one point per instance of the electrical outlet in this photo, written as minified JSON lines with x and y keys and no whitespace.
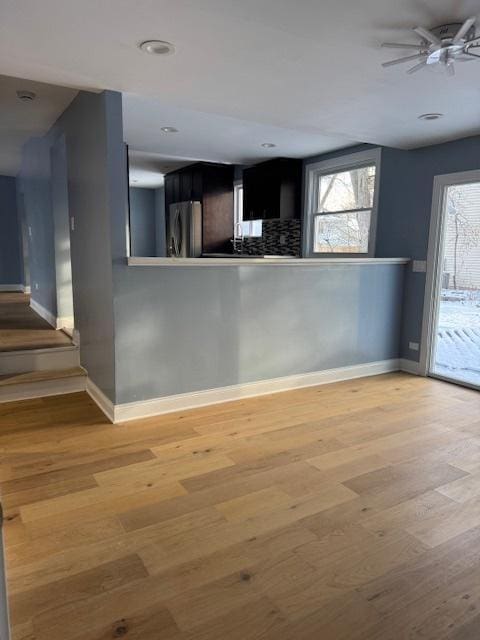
{"x":72,"y":223}
{"x":413,"y":346}
{"x":29,"y":232}
{"x":36,"y":286}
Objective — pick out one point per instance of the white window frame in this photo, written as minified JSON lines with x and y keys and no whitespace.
{"x":313,"y":172}
{"x":237,"y":210}
{"x":436,"y":249}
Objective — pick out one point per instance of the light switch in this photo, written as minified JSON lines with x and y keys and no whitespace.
{"x":413,"y":346}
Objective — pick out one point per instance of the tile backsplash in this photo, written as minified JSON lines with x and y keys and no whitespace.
{"x":279,"y":238}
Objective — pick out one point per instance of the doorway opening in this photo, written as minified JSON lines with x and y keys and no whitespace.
{"x":453,"y":283}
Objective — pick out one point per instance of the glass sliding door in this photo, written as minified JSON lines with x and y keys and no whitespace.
{"x":455,"y":352}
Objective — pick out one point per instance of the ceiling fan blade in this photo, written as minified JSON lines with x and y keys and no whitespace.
{"x":395,"y":45}
{"x":427,"y":35}
{"x":391,"y":63}
{"x":464,"y":29}
{"x":417,"y":67}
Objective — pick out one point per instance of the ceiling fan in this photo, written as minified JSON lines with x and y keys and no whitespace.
{"x":440,"y":47}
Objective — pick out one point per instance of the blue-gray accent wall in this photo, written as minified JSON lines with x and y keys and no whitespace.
{"x":91,"y":130}
{"x":143,"y":232}
{"x":404,"y":210}
{"x":11,"y":268}
{"x":189,"y":329}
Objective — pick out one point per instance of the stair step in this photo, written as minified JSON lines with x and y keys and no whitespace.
{"x":35,"y":384}
{"x":29,"y":360}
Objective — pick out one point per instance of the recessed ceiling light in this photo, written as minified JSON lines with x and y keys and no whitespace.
{"x":26,"y":96}
{"x":157,"y":47}
{"x":169,"y":130}
{"x":268,"y":145}
{"x":430,"y":116}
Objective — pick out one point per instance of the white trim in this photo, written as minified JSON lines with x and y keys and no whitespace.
{"x":410,"y":366}
{"x":183,"y":401}
{"x":434,"y":260}
{"x":333,"y":165}
{"x":42,"y":388}
{"x":65,"y":323}
{"x":43,"y":313}
{"x":101,"y":400}
{"x":11,"y":287}
{"x":264,"y":262}
{"x":26,"y":289}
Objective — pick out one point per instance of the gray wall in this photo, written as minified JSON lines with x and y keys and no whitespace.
{"x":405,"y":201}
{"x":88,"y":124}
{"x":34,"y":184}
{"x":422,"y":165}
{"x":143,"y":230}
{"x":199,"y":328}
{"x":63,"y":264}
{"x":11,"y":270}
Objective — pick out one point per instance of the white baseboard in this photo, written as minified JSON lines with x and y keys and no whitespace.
{"x":44,"y":313}
{"x":101,"y":400}
{"x":26,"y":289}
{"x":183,"y":401}
{"x":410,"y":366}
{"x":11,"y":287}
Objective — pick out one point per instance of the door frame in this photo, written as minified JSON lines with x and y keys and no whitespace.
{"x":434,"y":261}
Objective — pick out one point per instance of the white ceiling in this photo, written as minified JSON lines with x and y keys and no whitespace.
{"x":310,"y":67}
{"x":20,"y":121}
{"x":147,"y":169}
{"x":210,"y":137}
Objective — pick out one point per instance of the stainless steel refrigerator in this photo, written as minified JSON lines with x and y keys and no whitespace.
{"x":184,"y":230}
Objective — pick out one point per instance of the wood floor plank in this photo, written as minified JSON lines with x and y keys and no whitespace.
{"x":344,"y":512}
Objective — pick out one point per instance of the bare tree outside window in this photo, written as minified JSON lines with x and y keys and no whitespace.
{"x":462,"y":236}
{"x":344,"y":209}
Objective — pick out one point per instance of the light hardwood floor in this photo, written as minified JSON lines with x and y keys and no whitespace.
{"x":22,"y":328}
{"x":343,"y":512}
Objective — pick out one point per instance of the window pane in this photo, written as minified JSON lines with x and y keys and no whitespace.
{"x":252,"y":229}
{"x":346,"y":190}
{"x":342,"y":233}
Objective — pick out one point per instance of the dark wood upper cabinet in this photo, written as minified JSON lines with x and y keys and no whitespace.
{"x":212,"y":185}
{"x":273,"y":190}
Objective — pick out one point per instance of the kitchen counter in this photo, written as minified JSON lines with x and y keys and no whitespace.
{"x":265,"y":261}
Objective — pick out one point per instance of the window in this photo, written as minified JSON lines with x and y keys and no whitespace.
{"x":342,"y":202}
{"x":244,"y":229}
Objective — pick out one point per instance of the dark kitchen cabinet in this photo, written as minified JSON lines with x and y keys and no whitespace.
{"x":212,"y":185}
{"x":272,"y":190}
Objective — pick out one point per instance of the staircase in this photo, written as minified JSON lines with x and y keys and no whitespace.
{"x":37,"y":384}
{"x":33,"y":373}
{"x":35,"y":358}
